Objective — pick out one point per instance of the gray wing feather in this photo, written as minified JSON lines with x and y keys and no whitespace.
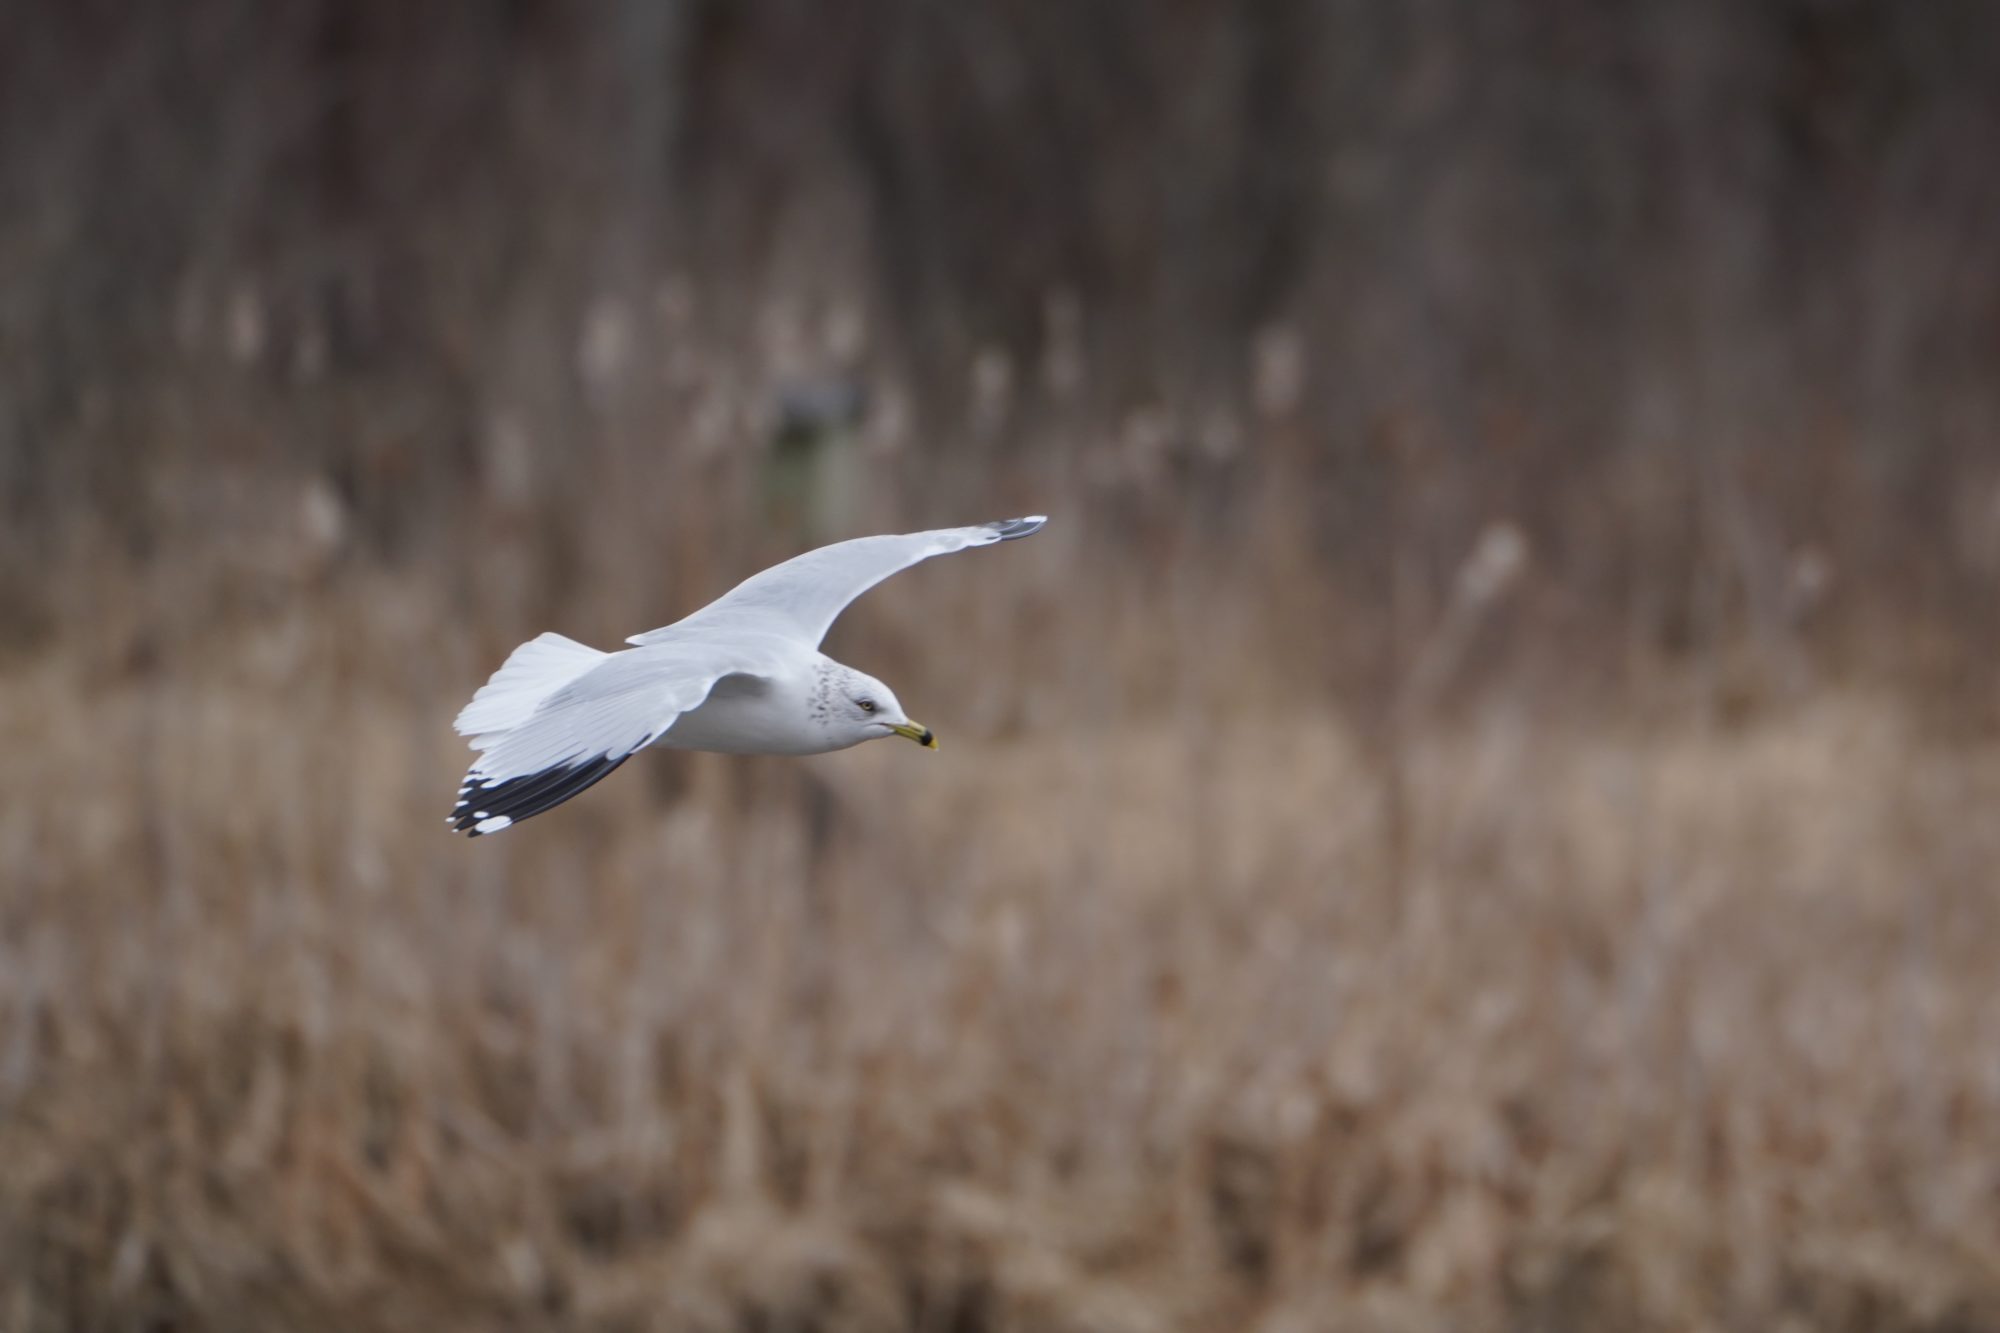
{"x":618,"y":706}
{"x":801,"y":598}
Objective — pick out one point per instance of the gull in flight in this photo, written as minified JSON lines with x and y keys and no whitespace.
{"x":743,"y":675}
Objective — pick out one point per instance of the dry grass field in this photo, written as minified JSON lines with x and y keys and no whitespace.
{"x":1208,"y":1004}
{"x":1479,"y":814}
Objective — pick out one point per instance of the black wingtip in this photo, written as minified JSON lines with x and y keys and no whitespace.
{"x":1007,"y":529}
{"x":488,"y":807}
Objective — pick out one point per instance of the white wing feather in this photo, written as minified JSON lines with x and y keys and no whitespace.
{"x":618,"y":706}
{"x":531,"y":673}
{"x":801,"y":598}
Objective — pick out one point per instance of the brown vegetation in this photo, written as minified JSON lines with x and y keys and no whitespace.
{"x":1476,"y":813}
{"x":1089,"y":1021}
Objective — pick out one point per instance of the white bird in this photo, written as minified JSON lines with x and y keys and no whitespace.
{"x":743,"y":675}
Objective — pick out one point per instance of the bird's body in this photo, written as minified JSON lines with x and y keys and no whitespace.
{"x":743,"y":675}
{"x":759,"y":714}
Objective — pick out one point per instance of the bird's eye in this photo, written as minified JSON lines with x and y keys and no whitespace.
{"x":867,"y":705}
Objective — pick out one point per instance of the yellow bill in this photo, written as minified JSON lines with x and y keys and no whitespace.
{"x":915,"y":732}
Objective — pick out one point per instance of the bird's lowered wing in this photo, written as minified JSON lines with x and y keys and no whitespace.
{"x":581,"y":732}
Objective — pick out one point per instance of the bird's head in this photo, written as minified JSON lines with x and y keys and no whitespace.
{"x":859,"y":708}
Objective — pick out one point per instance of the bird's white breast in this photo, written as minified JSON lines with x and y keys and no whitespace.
{"x":752,"y":715}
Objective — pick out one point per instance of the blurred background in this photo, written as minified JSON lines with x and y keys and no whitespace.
{"x":1477,"y":813}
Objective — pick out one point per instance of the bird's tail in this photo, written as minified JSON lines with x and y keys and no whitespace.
{"x":531,"y":673}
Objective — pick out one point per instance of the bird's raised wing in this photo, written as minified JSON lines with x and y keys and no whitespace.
{"x":801,"y":598}
{"x":586,"y":728}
